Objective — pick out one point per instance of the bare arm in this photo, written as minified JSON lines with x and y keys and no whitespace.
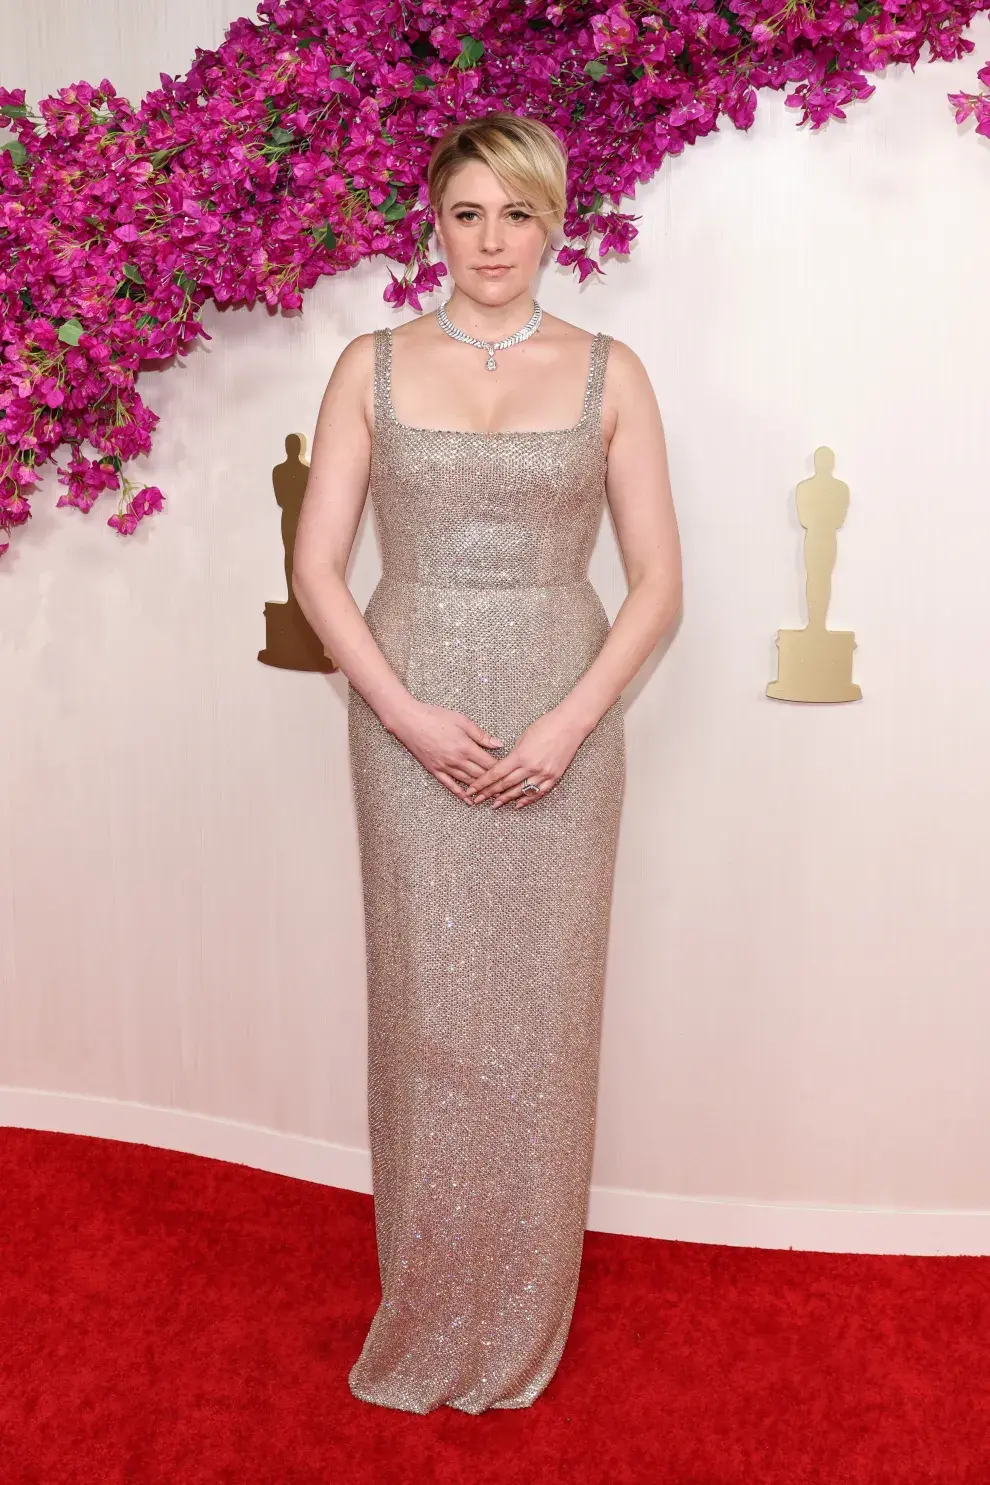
{"x":449,"y":744}
{"x":638,"y":490}
{"x":639,"y":497}
{"x":336,"y":491}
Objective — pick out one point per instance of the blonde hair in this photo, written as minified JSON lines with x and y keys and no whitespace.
{"x":524,"y":154}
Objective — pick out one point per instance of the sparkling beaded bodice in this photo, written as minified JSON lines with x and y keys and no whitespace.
{"x":474,"y":509}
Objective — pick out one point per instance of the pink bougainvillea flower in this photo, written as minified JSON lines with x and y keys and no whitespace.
{"x":299,"y":147}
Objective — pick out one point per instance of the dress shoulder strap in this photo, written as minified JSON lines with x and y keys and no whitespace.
{"x":382,"y":369}
{"x":596,"y":376}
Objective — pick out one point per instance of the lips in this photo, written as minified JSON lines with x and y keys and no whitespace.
{"x":494,"y":272}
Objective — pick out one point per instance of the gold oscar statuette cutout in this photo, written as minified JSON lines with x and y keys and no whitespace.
{"x":815,"y":663}
{"x":290,"y":642}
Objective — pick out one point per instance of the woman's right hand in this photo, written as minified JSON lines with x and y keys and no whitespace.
{"x":448,"y":744}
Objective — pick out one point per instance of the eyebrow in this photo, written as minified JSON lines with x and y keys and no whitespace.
{"x":479,"y":206}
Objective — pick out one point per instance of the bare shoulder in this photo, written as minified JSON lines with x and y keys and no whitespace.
{"x":628,"y":398}
{"x":624,"y":361}
{"x":355,"y":362}
{"x":422,"y":327}
{"x":357,"y":354}
{"x":623,"y":364}
{"x":567,"y":337}
{"x":351,"y":384}
{"x":627,"y":381}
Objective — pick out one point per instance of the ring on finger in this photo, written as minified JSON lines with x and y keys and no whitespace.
{"x":524,"y":786}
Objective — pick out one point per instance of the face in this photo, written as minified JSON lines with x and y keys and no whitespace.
{"x":479,"y":226}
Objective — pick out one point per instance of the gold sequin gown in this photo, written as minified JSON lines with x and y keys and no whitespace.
{"x":485,"y":929}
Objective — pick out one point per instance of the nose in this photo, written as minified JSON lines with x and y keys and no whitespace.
{"x":491,"y":235}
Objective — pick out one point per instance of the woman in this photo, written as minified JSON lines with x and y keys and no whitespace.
{"x":488,"y":760}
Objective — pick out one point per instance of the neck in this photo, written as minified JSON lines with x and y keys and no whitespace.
{"x":489,"y":321}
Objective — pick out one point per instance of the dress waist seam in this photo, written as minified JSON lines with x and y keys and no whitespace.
{"x":575,"y":582}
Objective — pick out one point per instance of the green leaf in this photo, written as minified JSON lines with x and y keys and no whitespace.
{"x":421,"y":82}
{"x":186,"y":284}
{"x":325,"y":237}
{"x":596,"y":69}
{"x":133,"y":273}
{"x":69,"y":332}
{"x":13,"y":111}
{"x":390,"y":200}
{"x":472,"y":51}
{"x":280,"y":136}
{"x":145,"y":320}
{"x":394,"y":213}
{"x":388,"y":138}
{"x":16,"y":150}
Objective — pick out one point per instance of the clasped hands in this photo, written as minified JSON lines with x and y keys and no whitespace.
{"x":455,"y":750}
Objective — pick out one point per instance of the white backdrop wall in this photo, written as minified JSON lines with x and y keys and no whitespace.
{"x":797,"y":1027}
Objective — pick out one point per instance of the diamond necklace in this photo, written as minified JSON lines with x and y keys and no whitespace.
{"x":491,"y":346}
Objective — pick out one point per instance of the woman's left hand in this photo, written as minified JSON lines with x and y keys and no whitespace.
{"x":541,"y":754}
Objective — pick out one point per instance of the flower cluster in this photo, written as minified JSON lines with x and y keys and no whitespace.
{"x":300,"y":146}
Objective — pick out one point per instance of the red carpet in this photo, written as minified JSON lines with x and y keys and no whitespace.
{"x":168,"y":1320}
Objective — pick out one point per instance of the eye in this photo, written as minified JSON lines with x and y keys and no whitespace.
{"x":523,"y":216}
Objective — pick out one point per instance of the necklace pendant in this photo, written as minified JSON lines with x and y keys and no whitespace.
{"x":530,"y":328}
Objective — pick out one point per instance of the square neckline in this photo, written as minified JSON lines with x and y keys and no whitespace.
{"x":492,"y":432}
